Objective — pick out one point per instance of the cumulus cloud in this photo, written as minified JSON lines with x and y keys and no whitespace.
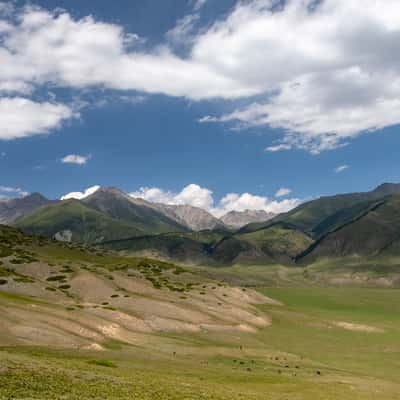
{"x":329,"y":69}
{"x":21,"y":117}
{"x":88,"y":53}
{"x":75,"y":159}
{"x":192,"y":194}
{"x":198,"y":196}
{"x":341,"y":168}
{"x":81,"y":195}
{"x":323,"y":71}
{"x":247,"y":201}
{"x":282,"y":192}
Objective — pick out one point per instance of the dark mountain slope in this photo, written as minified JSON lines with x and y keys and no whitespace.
{"x":190,"y":248}
{"x":320,"y":216}
{"x":136,"y":212}
{"x":276,"y":244}
{"x":376,"y":233}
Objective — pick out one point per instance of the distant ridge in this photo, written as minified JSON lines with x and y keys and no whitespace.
{"x":237,"y":219}
{"x":14,"y":208}
{"x":355,"y":224}
{"x":137,"y":212}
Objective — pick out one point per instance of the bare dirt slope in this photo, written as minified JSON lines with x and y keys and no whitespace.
{"x":54,"y":294}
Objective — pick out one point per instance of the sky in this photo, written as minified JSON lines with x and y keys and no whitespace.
{"x":226,"y":105}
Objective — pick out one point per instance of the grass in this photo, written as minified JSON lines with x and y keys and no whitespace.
{"x":301,"y":356}
{"x":103,"y":363}
{"x":305,"y":327}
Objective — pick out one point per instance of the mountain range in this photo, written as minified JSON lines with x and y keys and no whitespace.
{"x":363,"y":225}
{"x":109,"y":213}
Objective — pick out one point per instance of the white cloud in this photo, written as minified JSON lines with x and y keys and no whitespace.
{"x":75,"y":159}
{"x":192,"y":194}
{"x":21,"y":117}
{"x":16,"y":87}
{"x":247,"y":201}
{"x":341,"y":168}
{"x":87,"y":53}
{"x":328,"y":75}
{"x":81,"y":195}
{"x":197,"y":196}
{"x":282,"y":192}
{"x":324,"y":71}
{"x":279,"y":147}
{"x":181,"y":33}
{"x":6,"y":191}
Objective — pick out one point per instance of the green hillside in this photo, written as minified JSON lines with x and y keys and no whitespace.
{"x":361,"y":224}
{"x":267,"y":246}
{"x":120,"y":206}
{"x":187,"y":247}
{"x":83,"y":323}
{"x":77,"y":222}
{"x":318,"y":217}
{"x":276,"y":244}
{"x":376,"y":233}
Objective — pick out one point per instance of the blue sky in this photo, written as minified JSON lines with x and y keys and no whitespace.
{"x":136,"y":132}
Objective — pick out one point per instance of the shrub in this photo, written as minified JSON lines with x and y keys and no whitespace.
{"x":23,"y":279}
{"x":102,"y":363}
{"x":109,"y":308}
{"x":56,"y":278}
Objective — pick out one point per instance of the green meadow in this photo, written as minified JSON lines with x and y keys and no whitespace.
{"x":330,"y":333}
{"x":303,"y":354}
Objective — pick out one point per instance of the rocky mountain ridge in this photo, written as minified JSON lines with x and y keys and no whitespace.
{"x":119,"y":205}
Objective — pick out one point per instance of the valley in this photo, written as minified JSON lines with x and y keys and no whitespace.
{"x":358,"y":226}
{"x":84,"y":323}
{"x":199,"y":200}
{"x":302,"y":306}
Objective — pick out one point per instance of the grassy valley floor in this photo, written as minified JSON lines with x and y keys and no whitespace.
{"x":80,"y":323}
{"x":324,"y":343}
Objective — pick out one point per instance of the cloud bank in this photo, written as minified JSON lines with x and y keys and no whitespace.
{"x":323,"y":71}
{"x":198,"y":196}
